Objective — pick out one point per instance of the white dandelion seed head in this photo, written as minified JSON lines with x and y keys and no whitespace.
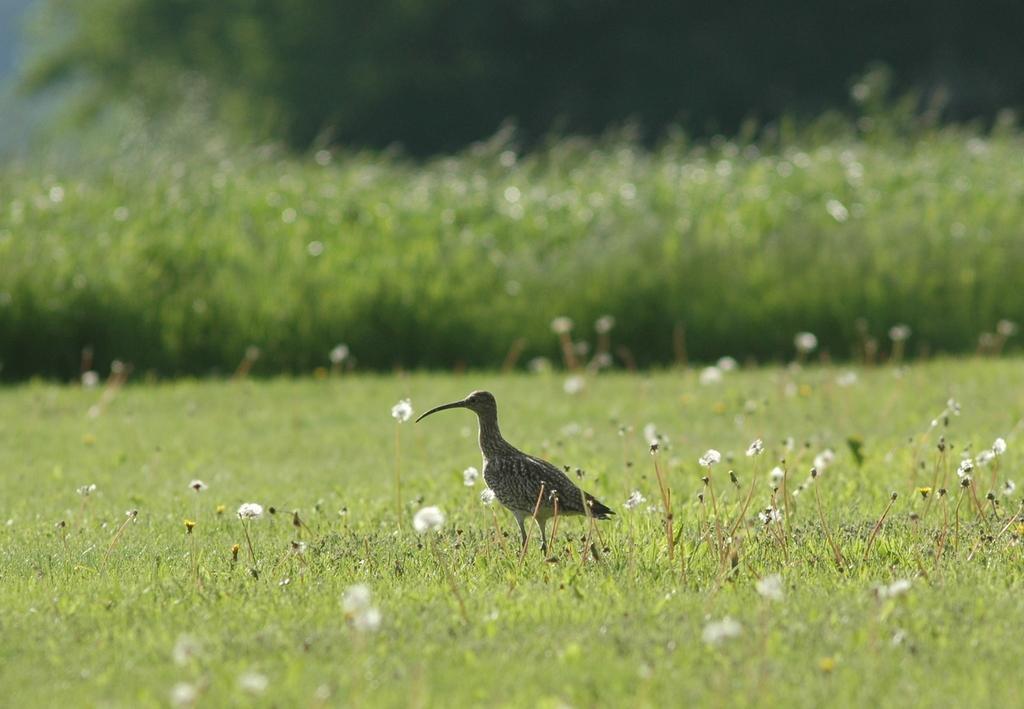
{"x":368,"y":621}
{"x":755,"y":448}
{"x":561,"y":325}
{"x":847,"y":378}
{"x":899,"y":333}
{"x":893,"y":590}
{"x":197,"y":485}
{"x":356,"y":598}
{"x":727,"y":364}
{"x":604,"y":324}
{"x":184,"y":694}
{"x":469,"y":476}
{"x":86,"y":490}
{"x":953,"y":407}
{"x":1006,"y":328}
{"x":186,"y":648}
{"x":965,"y":467}
{"x":776,"y":475}
{"x":90,"y":379}
{"x":428,"y":519}
{"x":999,"y":446}
{"x":837,"y":210}
{"x":1009,"y":487}
{"x":770,"y":515}
{"x":718,"y":631}
{"x":539,"y":365}
{"x":402,"y":411}
{"x":824,"y":459}
{"x":253,"y":683}
{"x":770,"y":587}
{"x":984,"y":458}
{"x":339,"y":354}
{"x":487,"y":496}
{"x":710,"y":457}
{"x":710,"y":375}
{"x":805,"y":342}
{"x":634,"y":500}
{"x":250,"y":510}
{"x":574,"y":384}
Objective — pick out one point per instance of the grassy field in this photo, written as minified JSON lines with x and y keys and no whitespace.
{"x":98,"y":608}
{"x":178,"y":254}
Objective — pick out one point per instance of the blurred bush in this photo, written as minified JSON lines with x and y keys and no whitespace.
{"x":177,"y":251}
{"x":437,"y":74}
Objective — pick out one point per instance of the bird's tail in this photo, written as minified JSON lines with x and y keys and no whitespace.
{"x":598,"y":509}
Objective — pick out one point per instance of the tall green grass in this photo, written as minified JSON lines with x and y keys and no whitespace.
{"x":176,"y":255}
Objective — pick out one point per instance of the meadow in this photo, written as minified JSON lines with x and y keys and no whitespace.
{"x":176,"y":250}
{"x":864,"y":587}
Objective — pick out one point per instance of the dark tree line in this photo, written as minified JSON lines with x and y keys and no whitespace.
{"x":436,"y":74}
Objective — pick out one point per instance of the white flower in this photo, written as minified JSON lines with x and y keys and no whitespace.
{"x":727,"y":364}
{"x":469,"y":476}
{"x":185,"y":649}
{"x":197,"y":485}
{"x":896,"y":588}
{"x":357,"y":605}
{"x":999,"y":446}
{"x":402,"y":411}
{"x":717,"y":631}
{"x":90,"y":379}
{"x":776,"y":476}
{"x":574,"y":384}
{"x":756,"y":448}
{"x":710,"y":457}
{"x":1006,"y":328}
{"x":368,"y":621}
{"x":769,"y":515}
{"x":561,"y":325}
{"x":428,"y":519}
{"x":634,"y":499}
{"x":847,"y":378}
{"x":770,"y":587}
{"x":1008,"y":487}
{"x":899,"y":333}
{"x":487,"y":496}
{"x":652,"y":435}
{"x":710,"y":375}
{"x":604,"y":324}
{"x":184,"y":694}
{"x":824,"y":459}
{"x":87,"y":490}
{"x":965,"y":467}
{"x":539,"y":365}
{"x":805,"y":342}
{"x":356,"y":598}
{"x":339,"y":354}
{"x":253,"y":682}
{"x":250,"y":510}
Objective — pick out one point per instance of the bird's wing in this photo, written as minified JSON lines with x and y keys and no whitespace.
{"x":569,"y":496}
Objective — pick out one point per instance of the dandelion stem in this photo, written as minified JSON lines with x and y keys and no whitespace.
{"x":878,"y":526}
{"x":666,"y":501}
{"x":450,"y":577}
{"x":828,"y":534}
{"x":252,"y":552}
{"x":398,"y":475}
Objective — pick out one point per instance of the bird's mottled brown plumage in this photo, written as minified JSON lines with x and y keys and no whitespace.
{"x":518,"y":479}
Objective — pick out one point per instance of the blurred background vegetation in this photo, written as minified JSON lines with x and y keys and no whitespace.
{"x":431,"y":181}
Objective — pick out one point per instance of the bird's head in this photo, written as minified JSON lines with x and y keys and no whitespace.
{"x":481,"y":403}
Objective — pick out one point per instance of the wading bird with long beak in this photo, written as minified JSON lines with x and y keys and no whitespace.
{"x":519,"y":480}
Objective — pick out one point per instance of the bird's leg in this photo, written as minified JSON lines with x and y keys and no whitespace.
{"x":522,"y":527}
{"x":542,"y":523}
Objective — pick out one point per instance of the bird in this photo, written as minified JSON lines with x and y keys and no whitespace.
{"x":519,"y":480}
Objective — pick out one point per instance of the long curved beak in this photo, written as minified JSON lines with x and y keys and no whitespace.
{"x":442,"y":407}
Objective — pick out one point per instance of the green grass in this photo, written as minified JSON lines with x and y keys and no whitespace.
{"x":177,"y":254}
{"x":86,"y":626}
